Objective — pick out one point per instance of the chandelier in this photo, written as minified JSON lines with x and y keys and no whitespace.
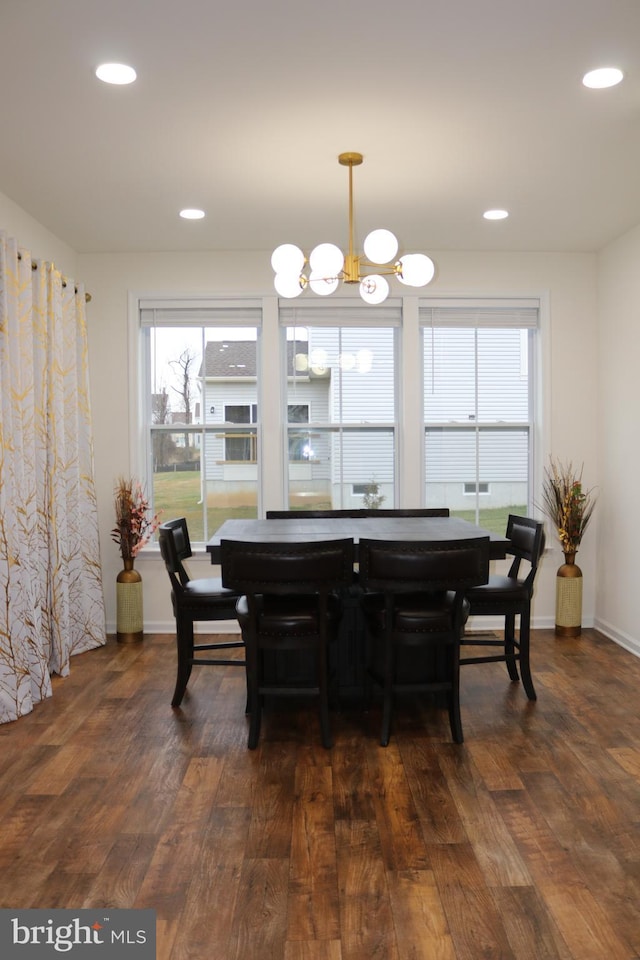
{"x":327,"y":264}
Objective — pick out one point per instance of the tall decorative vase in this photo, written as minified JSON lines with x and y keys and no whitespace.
{"x":129,"y":621}
{"x":569,"y":598}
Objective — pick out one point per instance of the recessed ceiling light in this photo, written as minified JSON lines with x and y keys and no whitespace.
{"x":192,"y":214}
{"x":118,"y":73}
{"x":495,"y":214}
{"x":602,"y":77}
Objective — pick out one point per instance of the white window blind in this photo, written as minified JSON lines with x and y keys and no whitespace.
{"x":196,"y":312}
{"x":478,"y":363}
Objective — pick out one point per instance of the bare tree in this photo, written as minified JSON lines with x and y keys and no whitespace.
{"x":160,"y":407}
{"x":163,"y":444}
{"x":184,"y":365}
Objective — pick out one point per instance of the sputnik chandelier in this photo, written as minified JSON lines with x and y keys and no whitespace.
{"x":327,"y":265}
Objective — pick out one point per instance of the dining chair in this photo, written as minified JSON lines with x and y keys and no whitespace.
{"x":196,"y":600}
{"x":290,"y":602}
{"x":414,"y":607}
{"x":510,"y":596}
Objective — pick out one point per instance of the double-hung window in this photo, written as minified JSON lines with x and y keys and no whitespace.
{"x":335,"y":418}
{"x":200,"y":409}
{"x":341,"y":406}
{"x":478,"y":379}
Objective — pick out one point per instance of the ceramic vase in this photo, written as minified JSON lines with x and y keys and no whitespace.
{"x":129,"y":623}
{"x":569,"y":598}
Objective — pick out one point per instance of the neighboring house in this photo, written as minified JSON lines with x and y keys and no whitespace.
{"x":341,"y":383}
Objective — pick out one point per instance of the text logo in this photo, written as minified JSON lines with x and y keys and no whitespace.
{"x":80,"y":934}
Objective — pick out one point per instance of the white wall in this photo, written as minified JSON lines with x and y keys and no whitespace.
{"x":571,"y":403}
{"x":40,"y":242}
{"x":619,"y":392}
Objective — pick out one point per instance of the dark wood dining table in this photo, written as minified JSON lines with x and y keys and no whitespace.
{"x":305,"y":529}
{"x":350,"y":655}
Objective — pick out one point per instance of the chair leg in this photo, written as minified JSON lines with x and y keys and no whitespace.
{"x":455,"y":720}
{"x":387,"y":692}
{"x":184,"y":642}
{"x":509,"y":645}
{"x":323,"y":688}
{"x":525,"y":668}
{"x":253,"y":695}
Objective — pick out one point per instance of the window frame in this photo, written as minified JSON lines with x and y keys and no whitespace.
{"x":528,"y":314}
{"x":409,"y":421}
{"x":341,"y":314}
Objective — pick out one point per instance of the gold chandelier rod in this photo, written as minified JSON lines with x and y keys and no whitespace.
{"x":351,"y":269}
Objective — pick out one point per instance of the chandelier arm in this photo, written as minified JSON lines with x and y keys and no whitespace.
{"x":383,"y":269}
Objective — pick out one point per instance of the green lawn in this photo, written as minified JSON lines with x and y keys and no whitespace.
{"x":178,"y":495}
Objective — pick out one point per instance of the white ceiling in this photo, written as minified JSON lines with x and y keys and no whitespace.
{"x":242,"y":108}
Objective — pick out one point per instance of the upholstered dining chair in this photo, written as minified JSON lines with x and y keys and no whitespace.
{"x":194,"y":600}
{"x":290,"y":601}
{"x":414,"y":607}
{"x":509,"y":596}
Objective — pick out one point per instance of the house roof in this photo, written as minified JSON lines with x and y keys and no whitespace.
{"x":242,"y":109}
{"x":233,"y":359}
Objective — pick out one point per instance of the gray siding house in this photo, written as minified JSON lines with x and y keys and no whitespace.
{"x":341,"y":432}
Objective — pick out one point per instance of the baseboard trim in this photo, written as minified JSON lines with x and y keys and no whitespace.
{"x":632,"y":644}
{"x":169,"y":626}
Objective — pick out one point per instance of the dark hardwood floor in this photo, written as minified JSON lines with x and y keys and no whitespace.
{"x":521,"y":844}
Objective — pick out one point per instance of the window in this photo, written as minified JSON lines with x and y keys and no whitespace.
{"x":341,"y":377}
{"x":471,"y":489}
{"x":331,"y":423}
{"x":241,"y":447}
{"x":360,"y":489}
{"x":199,"y":409}
{"x":478,"y":408}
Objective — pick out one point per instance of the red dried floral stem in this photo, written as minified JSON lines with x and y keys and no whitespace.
{"x":134,"y":528}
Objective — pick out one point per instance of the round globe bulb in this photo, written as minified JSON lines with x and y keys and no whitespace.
{"x":287,"y":258}
{"x":288,"y":285}
{"x":364,"y":360}
{"x":326,"y":260}
{"x":380,"y":246}
{"x":374,"y":289}
{"x":321,"y":285}
{"x":417,"y":270}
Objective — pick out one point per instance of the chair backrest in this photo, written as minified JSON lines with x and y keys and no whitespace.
{"x":286,"y":568}
{"x":423,"y":566}
{"x":410,"y":512}
{"x":175,"y":547}
{"x":313,"y":514}
{"x":526,"y":542}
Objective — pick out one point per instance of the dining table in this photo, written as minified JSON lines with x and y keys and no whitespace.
{"x":349,"y":657}
{"x":308,"y":529}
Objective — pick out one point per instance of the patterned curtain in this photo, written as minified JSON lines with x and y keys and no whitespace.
{"x":51,"y":599}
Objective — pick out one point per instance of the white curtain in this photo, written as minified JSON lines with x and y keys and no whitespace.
{"x":51,"y":599}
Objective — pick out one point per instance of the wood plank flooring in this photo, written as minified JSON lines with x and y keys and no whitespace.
{"x":521,"y":844}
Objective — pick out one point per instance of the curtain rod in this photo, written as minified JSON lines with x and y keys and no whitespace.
{"x":34,"y":266}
